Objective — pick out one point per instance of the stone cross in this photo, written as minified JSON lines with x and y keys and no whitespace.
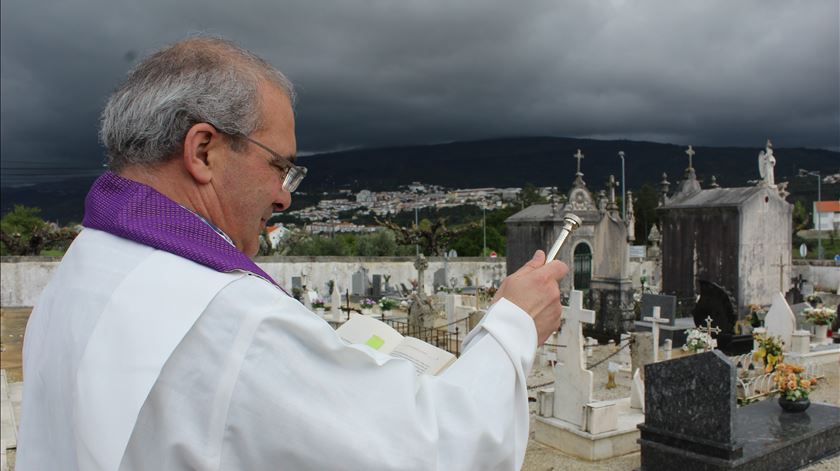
{"x":572,"y":381}
{"x":421,"y":264}
{"x":578,"y":156}
{"x":690,"y":153}
{"x":655,"y":320}
{"x":709,"y":329}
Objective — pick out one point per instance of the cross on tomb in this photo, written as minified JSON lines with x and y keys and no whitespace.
{"x":690,"y":153}
{"x":578,"y":156}
{"x":571,"y":334}
{"x":655,"y":320}
{"x":572,"y":381}
{"x":781,"y":266}
{"x":709,"y":329}
{"x":612,"y":185}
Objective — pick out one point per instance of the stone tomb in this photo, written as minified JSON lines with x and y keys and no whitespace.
{"x":570,"y":419}
{"x":674,"y":329}
{"x":692,"y":422}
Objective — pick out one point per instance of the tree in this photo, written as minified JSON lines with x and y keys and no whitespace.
{"x":530,"y":195}
{"x":432,"y":237}
{"x":801,"y":217}
{"x":23,"y":232}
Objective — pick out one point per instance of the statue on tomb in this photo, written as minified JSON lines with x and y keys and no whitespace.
{"x":766,"y":162}
{"x":421,"y":313}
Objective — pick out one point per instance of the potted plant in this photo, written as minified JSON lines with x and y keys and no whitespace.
{"x":386,"y":304}
{"x":318,"y":305}
{"x":793,"y":387}
{"x":367,"y":305}
{"x":697,"y":341}
{"x":769,"y":350}
{"x":821,"y":316}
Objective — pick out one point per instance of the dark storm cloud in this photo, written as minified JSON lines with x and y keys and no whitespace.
{"x":374,"y":73}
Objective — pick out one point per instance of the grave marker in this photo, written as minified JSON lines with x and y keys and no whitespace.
{"x":573,"y":382}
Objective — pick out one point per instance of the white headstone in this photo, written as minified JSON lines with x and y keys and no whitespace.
{"x":335,"y":303}
{"x":572,"y":381}
{"x":780,"y":321}
{"x":637,"y":392}
{"x":451,"y":302}
{"x":591,"y":343}
{"x":655,"y":320}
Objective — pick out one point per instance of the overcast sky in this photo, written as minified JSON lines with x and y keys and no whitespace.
{"x":398,"y":72}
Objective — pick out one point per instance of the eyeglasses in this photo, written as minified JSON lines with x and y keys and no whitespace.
{"x":294,"y":173}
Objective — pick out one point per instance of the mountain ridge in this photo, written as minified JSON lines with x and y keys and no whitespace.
{"x":499,"y":162}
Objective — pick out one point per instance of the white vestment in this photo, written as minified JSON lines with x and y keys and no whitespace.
{"x":138,"y":359}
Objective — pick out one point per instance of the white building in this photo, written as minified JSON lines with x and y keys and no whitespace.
{"x":827,"y":215}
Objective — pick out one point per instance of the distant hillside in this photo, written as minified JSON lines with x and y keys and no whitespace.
{"x":512,"y":162}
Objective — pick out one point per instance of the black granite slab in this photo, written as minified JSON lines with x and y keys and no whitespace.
{"x":692,"y":422}
{"x":667,"y":306}
{"x":769,"y":439}
{"x":693,"y":396}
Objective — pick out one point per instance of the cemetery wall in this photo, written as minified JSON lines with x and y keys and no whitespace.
{"x":23,"y":278}
{"x":825,"y":275}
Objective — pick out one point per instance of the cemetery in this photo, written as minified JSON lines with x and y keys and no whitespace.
{"x":687,"y":358}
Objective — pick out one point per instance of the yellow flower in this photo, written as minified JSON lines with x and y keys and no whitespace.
{"x":791,"y":384}
{"x":805,"y":383}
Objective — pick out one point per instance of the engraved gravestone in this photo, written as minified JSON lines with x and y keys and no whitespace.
{"x":360,"y":283}
{"x":439,"y":279}
{"x":667,"y":306}
{"x":376,"y":288}
{"x":296,"y":283}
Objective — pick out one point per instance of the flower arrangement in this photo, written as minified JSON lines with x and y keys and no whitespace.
{"x":386,"y":304}
{"x":756,"y":315}
{"x":367,"y":303}
{"x":318,"y":303}
{"x":769,"y":350}
{"x":820,"y":315}
{"x":791,"y":383}
{"x":697,"y":341}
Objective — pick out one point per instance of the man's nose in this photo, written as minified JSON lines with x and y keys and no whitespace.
{"x":283,"y":201}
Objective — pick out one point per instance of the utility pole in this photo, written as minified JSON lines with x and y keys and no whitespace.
{"x":623,"y":188}
{"x":484,"y":229}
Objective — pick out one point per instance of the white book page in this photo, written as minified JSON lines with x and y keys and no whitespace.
{"x":426,"y":358}
{"x":366,"y":330}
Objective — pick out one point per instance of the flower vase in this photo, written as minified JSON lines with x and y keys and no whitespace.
{"x":320,"y":311}
{"x":820,"y":333}
{"x":794,"y":406}
{"x":367,"y":311}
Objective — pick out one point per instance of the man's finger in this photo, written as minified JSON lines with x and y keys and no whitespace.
{"x":536,"y":261}
{"x":556,"y":269}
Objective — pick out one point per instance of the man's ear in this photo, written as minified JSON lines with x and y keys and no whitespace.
{"x":200,"y":141}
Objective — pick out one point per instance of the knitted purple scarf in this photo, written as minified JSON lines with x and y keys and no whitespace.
{"x":137,"y":212}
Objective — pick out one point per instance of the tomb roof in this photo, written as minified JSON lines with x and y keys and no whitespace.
{"x":716,"y":197}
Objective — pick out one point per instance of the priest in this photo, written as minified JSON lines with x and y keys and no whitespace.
{"x":159,"y":344}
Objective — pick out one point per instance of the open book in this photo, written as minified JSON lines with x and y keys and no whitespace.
{"x":380,"y":336}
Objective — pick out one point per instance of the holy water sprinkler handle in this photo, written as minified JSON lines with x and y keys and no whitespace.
{"x":570,"y":223}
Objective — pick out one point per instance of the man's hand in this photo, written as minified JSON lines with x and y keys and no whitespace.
{"x":535,"y":290}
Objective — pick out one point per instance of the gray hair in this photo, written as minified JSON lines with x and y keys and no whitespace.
{"x":197,"y":80}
